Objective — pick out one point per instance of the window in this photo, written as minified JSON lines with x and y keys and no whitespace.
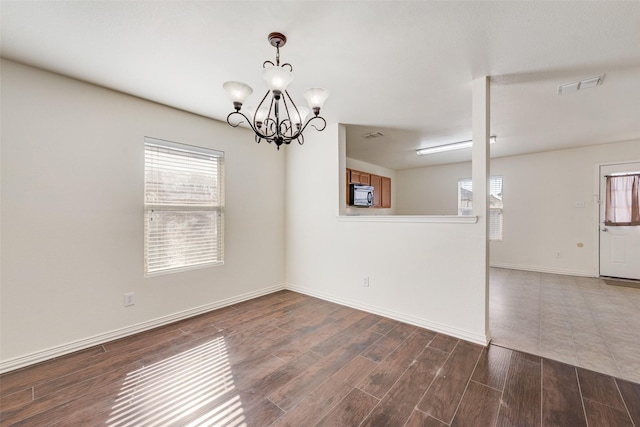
{"x":465,"y":203}
{"x":622,"y":205}
{"x":183,"y":206}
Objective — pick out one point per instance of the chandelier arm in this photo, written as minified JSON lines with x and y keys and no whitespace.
{"x":299,"y":135}
{"x":258,"y":134}
{"x":295,"y":107}
{"x":258,"y":109}
{"x":291,"y":100}
{"x":285,"y":129}
{"x":271,"y":137}
{"x":269,"y":125}
{"x":290,"y":66}
{"x":241,"y":121}
{"x":269,"y":118}
{"x":324,"y":124}
{"x":286,"y":123}
{"x":268,"y":62}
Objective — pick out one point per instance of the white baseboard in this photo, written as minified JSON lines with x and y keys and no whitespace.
{"x":57,"y":351}
{"x":402,"y":317}
{"x":544,"y":270}
{"x":61,"y":350}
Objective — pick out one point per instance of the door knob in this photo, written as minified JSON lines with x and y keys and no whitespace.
{"x":604,"y":229}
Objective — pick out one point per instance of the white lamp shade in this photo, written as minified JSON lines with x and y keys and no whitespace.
{"x":259,"y":115}
{"x":237,"y":91}
{"x":277,"y":78}
{"x":316,"y":96}
{"x":299,"y":118}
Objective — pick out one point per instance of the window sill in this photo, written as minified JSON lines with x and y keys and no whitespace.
{"x":183,"y":269}
{"x":437,"y":219}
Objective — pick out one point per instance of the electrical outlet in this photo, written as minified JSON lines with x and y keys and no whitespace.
{"x":558,"y":254}
{"x":365,"y":281}
{"x":129,"y":299}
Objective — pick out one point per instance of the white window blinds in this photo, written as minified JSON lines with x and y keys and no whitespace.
{"x":465,"y":203}
{"x":184,"y":206}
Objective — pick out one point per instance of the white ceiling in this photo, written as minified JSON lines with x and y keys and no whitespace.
{"x":402,"y":68}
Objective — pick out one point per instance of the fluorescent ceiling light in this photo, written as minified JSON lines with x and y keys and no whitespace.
{"x":450,"y":147}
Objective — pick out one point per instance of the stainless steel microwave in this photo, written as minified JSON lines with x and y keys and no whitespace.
{"x":360,"y":195}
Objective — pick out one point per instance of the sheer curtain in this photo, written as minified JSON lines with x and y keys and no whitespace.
{"x":623,"y":200}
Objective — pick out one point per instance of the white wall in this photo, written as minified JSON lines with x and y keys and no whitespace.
{"x":430,"y":274}
{"x":540,"y":195}
{"x":376,"y":170}
{"x":72,"y":215}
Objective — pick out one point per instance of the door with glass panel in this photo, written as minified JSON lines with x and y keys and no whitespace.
{"x":619,"y":221}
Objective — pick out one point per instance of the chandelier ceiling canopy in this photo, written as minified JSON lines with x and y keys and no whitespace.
{"x":276,"y":119}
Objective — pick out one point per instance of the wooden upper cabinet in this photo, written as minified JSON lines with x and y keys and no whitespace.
{"x":385,"y":194}
{"x":381,"y":186}
{"x":357,"y":177}
{"x":348,"y":182}
{"x":376,"y":183}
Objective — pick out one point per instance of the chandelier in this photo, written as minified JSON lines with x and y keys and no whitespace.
{"x":277,"y":119}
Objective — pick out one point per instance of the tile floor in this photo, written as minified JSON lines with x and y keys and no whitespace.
{"x":577,"y":320}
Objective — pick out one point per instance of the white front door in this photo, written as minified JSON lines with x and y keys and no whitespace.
{"x":619,"y":245}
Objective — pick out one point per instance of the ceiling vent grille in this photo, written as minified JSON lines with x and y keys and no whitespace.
{"x":582,"y":84}
{"x":372,"y":135}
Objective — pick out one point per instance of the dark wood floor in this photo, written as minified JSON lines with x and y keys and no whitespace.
{"x":287,"y":359}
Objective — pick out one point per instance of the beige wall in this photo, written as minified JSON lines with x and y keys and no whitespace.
{"x":431,"y":190}
{"x":540,"y":195}
{"x":72,"y":215}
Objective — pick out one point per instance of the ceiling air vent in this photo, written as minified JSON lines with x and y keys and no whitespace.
{"x":582,"y":84}
{"x":371,"y":135}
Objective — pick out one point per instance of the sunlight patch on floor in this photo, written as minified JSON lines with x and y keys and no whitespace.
{"x":193,"y":388}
